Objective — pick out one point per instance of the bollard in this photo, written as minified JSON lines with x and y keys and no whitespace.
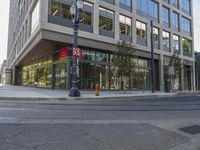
{"x":97,"y":89}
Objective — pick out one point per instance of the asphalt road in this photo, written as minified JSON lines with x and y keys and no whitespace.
{"x":139,"y":124}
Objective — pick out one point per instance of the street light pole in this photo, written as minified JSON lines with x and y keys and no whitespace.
{"x":75,"y":11}
{"x":152,"y":60}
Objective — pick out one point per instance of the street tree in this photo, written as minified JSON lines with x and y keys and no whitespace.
{"x":123,"y":61}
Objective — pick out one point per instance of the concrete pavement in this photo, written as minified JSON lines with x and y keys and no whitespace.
{"x":8,"y":92}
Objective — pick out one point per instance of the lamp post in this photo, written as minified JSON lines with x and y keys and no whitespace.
{"x":75,"y":13}
{"x":152,"y":61}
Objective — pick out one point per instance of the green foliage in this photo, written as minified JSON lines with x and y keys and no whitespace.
{"x":123,"y":59}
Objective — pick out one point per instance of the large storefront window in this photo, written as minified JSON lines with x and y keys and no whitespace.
{"x":94,"y":69}
{"x":139,"y":79}
{"x":39,"y":74}
{"x":94,"y":66}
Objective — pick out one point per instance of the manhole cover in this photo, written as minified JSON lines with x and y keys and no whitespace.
{"x":195,"y":129}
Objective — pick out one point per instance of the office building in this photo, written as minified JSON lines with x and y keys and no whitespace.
{"x":40,"y":38}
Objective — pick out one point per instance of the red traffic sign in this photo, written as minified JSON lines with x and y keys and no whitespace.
{"x":77,"y":52}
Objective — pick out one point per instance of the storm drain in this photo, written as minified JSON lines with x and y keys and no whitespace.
{"x":195,"y":129}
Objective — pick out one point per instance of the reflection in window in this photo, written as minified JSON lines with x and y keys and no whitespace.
{"x":125,"y":25}
{"x":166,"y":41}
{"x":186,"y":6}
{"x":165,"y":16}
{"x":148,"y":7}
{"x":176,"y":43}
{"x":156,"y":37}
{"x":175,"y":20}
{"x":167,"y":1}
{"x":55,"y":8}
{"x":186,"y":25}
{"x":175,"y":3}
{"x":35,"y":17}
{"x":106,"y":19}
{"x":86,"y":14}
{"x":126,"y":3}
{"x":141,"y":33}
{"x":187,"y":46}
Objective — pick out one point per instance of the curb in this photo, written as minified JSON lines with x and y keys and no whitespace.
{"x":86,"y":98}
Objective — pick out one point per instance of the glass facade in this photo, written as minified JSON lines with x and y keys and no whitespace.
{"x":148,"y":8}
{"x":186,"y":4}
{"x":166,"y":41}
{"x":165,"y":16}
{"x":95,"y":67}
{"x":38,"y":74}
{"x":175,"y":3}
{"x":176,"y":43}
{"x":175,"y":21}
{"x":125,"y":3}
{"x":141,"y":33}
{"x":186,"y":25}
{"x":167,"y":1}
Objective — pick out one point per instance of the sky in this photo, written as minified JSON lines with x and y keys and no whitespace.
{"x":4,"y":15}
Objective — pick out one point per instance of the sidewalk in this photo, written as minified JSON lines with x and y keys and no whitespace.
{"x":8,"y":92}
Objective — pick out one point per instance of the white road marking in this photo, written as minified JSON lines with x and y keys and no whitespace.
{"x":26,"y":109}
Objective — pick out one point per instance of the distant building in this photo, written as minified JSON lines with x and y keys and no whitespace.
{"x":197,"y":69}
{"x":5,"y":74}
{"x":40,"y":37}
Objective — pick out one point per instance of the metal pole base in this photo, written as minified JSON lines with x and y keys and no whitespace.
{"x":74,"y":92}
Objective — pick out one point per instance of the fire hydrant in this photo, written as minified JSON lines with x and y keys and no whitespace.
{"x":97,"y":89}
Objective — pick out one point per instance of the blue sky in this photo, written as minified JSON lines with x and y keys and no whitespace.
{"x":4,"y":7}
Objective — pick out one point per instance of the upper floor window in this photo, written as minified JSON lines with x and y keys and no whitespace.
{"x":35,"y":17}
{"x":156,"y":37}
{"x":176,"y":43}
{"x":175,"y":21}
{"x":186,"y":25}
{"x":125,"y":25}
{"x":125,"y":3}
{"x":167,"y":1}
{"x":86,"y":14}
{"x":165,"y":16}
{"x":141,"y":33}
{"x":109,"y":1}
{"x":61,"y":9}
{"x":186,"y":6}
{"x":106,"y":19}
{"x":149,"y":8}
{"x":166,"y":41}
{"x":175,"y":3}
{"x":187,"y":46}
